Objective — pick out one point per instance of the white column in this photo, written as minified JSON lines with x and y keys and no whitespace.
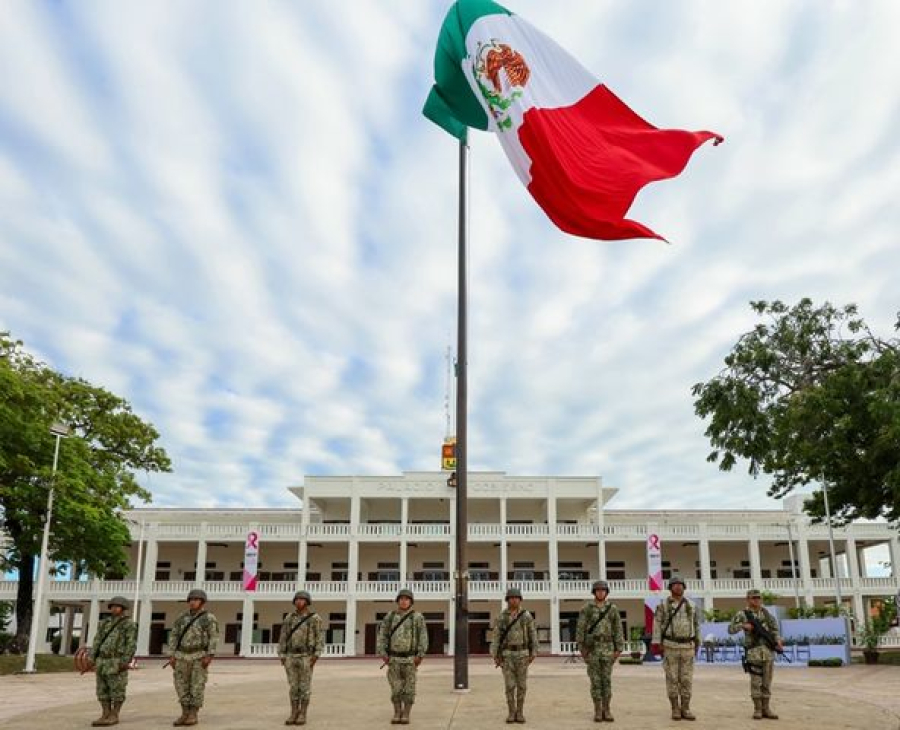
{"x":894,"y":550}
{"x":852,"y":561}
{"x":93,"y":620}
{"x":352,"y":570}
{"x":200,"y":577}
{"x":66,"y":632}
{"x":802,"y":547}
{"x":151,"y":556}
{"x":246,"y":626}
{"x":452,"y":563}
{"x":504,"y":563}
{"x":706,"y":567}
{"x":601,"y":539}
{"x":143,"y":640}
{"x":755,"y":568}
{"x":553,"y":550}
{"x":302,"y":545}
{"x":404,"y":516}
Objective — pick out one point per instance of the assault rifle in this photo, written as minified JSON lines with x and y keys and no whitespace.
{"x":764,"y":636}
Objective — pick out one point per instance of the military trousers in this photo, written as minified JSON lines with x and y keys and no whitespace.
{"x":599,"y":670}
{"x":761,"y":679}
{"x":111,"y":682}
{"x":401,"y":676}
{"x":190,"y":681}
{"x":678,"y":663}
{"x":299,"y":672}
{"x":515,"y":672}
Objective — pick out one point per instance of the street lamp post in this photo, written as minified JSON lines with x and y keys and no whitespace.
{"x":61,"y":431}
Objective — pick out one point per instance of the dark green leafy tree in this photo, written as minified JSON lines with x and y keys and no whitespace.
{"x":94,"y":482}
{"x":811,"y":396}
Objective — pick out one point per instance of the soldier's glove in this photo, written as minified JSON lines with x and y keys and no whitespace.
{"x":169,"y":663}
{"x":283,"y":661}
{"x":497,"y":661}
{"x":312,"y":661}
{"x":123,"y":667}
{"x":205,"y":661}
{"x":417,"y":661}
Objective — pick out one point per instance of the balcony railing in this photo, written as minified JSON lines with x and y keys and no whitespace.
{"x":271,"y":650}
{"x":376,"y":530}
{"x":428,"y":530}
{"x":321,"y":529}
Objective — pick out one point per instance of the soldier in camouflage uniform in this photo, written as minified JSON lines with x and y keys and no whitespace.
{"x":402,"y":642}
{"x":111,"y":653}
{"x":514,"y":647}
{"x":759,"y":655}
{"x":192,"y":645}
{"x":600,"y":641}
{"x":676,"y":635}
{"x":300,"y":645}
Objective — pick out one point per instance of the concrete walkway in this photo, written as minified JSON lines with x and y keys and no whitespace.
{"x":353,"y":693}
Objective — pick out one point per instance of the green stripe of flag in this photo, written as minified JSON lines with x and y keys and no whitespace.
{"x":451,"y":104}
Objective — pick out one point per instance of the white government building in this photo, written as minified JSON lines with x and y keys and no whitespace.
{"x":355,"y":541}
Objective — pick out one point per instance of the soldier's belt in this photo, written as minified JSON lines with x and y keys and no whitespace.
{"x":300,"y":653}
{"x":679,"y":641}
{"x":514,"y":647}
{"x":401,"y":654}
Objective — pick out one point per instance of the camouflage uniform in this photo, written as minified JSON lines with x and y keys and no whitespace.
{"x":682,"y":627}
{"x":518,"y":650}
{"x":408,"y":642}
{"x":113,"y":647}
{"x":194,"y":643}
{"x":760,"y":658}
{"x":111,"y":653}
{"x":305,"y":644}
{"x":599,"y":647}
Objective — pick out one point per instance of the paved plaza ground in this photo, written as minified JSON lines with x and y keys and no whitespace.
{"x":352,"y":693}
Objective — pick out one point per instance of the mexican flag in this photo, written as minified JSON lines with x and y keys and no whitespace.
{"x":581,"y":152}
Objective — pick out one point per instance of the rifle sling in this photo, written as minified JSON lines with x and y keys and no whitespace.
{"x":397,"y":626}
{"x":596,"y":623}
{"x":502,"y":642}
{"x":297,"y":626}
{"x":107,"y":635}
{"x":186,"y":628}
{"x":671,"y":619}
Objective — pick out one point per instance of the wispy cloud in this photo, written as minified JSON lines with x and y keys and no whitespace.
{"x":235,"y":216}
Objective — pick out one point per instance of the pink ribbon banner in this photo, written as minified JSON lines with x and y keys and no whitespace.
{"x":251,"y":561}
{"x":654,"y":563}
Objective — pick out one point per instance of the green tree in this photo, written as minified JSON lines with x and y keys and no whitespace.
{"x":94,"y":482}
{"x":811,"y":396}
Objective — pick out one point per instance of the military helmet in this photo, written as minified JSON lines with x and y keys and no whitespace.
{"x":405,"y":592}
{"x":513,"y":593}
{"x":197,"y":593}
{"x":600,"y":585}
{"x":118,"y":601}
{"x":676,"y":579}
{"x":754,"y":593}
{"x":302,"y":594}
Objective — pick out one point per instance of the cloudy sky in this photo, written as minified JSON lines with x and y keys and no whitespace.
{"x":234,"y":215}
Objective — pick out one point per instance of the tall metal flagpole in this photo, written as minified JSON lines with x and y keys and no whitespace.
{"x":834,"y":566}
{"x":461,"y":637}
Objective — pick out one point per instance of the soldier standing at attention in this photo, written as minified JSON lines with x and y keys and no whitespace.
{"x":192,"y":645}
{"x":514,"y":647}
{"x":300,"y":645}
{"x":111,"y":653}
{"x":676,"y":636}
{"x":761,"y":641}
{"x":600,"y":641}
{"x":402,"y":642}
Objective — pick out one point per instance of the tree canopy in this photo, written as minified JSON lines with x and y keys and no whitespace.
{"x":811,"y":396}
{"x":95,"y":481}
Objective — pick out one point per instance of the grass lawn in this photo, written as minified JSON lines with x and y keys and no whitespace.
{"x":12,"y":663}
